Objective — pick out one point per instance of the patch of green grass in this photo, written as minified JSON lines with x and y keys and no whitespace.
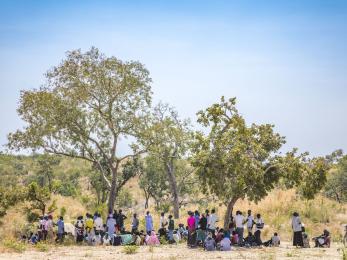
{"x":344,"y":254}
{"x":130,"y":249}
{"x":14,"y":245}
{"x":43,"y":247}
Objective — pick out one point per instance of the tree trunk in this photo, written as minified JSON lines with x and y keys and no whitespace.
{"x":229,"y":212}
{"x":174,"y":190}
{"x":146,"y":198}
{"x":113,"y":189}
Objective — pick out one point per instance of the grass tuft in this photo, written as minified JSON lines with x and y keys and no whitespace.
{"x":130,"y":249}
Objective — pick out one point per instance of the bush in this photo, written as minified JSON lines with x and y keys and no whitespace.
{"x":62,"y":211}
{"x":14,"y":245}
{"x":124,"y":199}
{"x":129,"y":250}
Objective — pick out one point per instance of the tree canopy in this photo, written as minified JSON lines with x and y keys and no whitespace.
{"x":89,"y":103}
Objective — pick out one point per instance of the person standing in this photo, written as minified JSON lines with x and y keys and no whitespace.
{"x":239,"y":222}
{"x":149,"y":223}
{"x":197,"y":219}
{"x":191,"y":230}
{"x":171,"y":228}
{"x":162,"y":225}
{"x":60,"y":233}
{"x":98,"y":224}
{"x":203,"y":222}
{"x":250,"y":222}
{"x":297,"y":230}
{"x":134,"y":224}
{"x":259,"y":224}
{"x":213,"y":219}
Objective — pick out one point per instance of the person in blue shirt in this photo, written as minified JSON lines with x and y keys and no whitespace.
{"x":61,"y":231}
{"x":149,"y":223}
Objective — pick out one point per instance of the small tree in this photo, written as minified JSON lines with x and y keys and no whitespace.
{"x":336,"y":186}
{"x":235,"y":161}
{"x":38,"y":197}
{"x":45,"y":173}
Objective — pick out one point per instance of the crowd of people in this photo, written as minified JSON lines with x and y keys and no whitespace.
{"x":201,"y":230}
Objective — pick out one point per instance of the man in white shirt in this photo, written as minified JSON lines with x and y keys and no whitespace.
{"x":211,"y":224}
{"x":259,"y":224}
{"x":250,"y":221}
{"x":239,"y":222}
{"x":98,"y":224}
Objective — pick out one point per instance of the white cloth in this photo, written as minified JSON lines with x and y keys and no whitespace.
{"x":212,"y":221}
{"x":163,"y":222}
{"x":296,"y":224}
{"x":275,"y":240}
{"x":250,"y":220}
{"x":225,"y":244}
{"x":98,"y":224}
{"x":258,"y":221}
{"x":239,"y":220}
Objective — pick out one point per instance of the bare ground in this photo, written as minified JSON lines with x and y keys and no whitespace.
{"x":178,"y":252}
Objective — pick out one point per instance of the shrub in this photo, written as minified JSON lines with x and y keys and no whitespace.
{"x":124,"y":199}
{"x":14,"y":245}
{"x":129,"y":250}
{"x":62,"y":211}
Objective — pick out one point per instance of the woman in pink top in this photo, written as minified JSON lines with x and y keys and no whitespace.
{"x":152,"y":240}
{"x":191,"y":230}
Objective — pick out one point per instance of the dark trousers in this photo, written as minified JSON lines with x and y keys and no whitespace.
{"x":239,"y":232}
{"x":297,"y":239}
{"x":257,"y":237}
{"x":60,"y":237}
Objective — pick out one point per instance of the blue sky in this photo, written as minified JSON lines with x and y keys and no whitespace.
{"x":285,"y":61}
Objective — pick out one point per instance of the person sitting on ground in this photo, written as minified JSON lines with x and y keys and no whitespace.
{"x":250,"y":240}
{"x":225,"y":243}
{"x":182,"y":230}
{"x":220,"y":235}
{"x":323,"y":240}
{"x":34,"y":239}
{"x":152,"y":240}
{"x":274,"y":241}
{"x":234,"y":238}
{"x":210,"y":243}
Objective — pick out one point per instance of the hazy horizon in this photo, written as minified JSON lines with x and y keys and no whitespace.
{"x":284,"y":61}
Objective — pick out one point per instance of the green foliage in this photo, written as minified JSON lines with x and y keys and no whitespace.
{"x":41,"y":246}
{"x":88,"y":104}
{"x":235,"y":160}
{"x":14,"y":245}
{"x":130,"y":249}
{"x":336,"y":187}
{"x":62,"y":211}
{"x":38,"y":197}
{"x":124,"y":199}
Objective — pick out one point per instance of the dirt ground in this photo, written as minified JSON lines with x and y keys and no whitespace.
{"x":181,"y":251}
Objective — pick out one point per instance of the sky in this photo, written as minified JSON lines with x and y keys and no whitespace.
{"x":284,"y":61}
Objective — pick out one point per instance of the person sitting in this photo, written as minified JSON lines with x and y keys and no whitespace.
{"x":210,"y":243}
{"x":220,"y":235}
{"x":234,"y":238}
{"x":250,"y":240}
{"x":152,"y":240}
{"x":274,"y":241}
{"x":225,"y":244}
{"x":183,"y":231}
{"x":323,"y":240}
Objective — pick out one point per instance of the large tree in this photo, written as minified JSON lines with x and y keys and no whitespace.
{"x":235,"y":160}
{"x":169,"y":139}
{"x":89,"y":103}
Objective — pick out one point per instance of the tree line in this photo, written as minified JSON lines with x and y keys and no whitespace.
{"x":90,"y":103}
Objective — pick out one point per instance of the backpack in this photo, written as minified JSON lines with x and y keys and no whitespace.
{"x":117,"y":241}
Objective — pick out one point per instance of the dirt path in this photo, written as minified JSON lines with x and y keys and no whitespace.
{"x":177,"y":252}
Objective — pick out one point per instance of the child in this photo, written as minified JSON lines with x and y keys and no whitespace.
{"x":210,"y":244}
{"x":234,"y":238}
{"x":274,"y":241}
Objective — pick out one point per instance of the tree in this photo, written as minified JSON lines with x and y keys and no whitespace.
{"x":153,"y":181}
{"x":44,"y":173}
{"x":336,"y":186}
{"x":168,"y":139}
{"x":88,"y":105}
{"x":235,"y":161}
{"x":38,"y":197}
